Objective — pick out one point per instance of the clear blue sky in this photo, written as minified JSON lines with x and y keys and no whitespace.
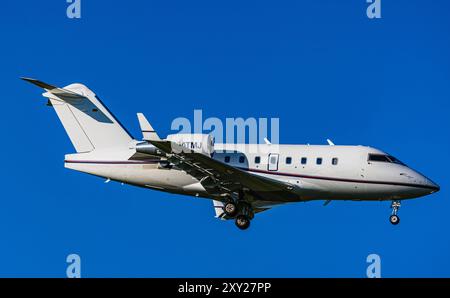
{"x":322,"y":67}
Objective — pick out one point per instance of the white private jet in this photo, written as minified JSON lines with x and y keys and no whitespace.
{"x":241,"y":181}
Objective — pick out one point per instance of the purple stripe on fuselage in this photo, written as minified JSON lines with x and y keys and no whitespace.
{"x":339,"y":179}
{"x":268,"y":172}
{"x":127,"y":162}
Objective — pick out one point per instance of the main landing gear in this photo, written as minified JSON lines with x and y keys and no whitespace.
{"x":242,"y":221}
{"x":394,"y":219}
{"x":230,"y":209}
{"x":245,"y":214}
{"x":241,"y":211}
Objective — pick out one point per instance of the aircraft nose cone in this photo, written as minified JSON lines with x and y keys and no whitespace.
{"x":427,"y":186}
{"x":430,"y":185}
{"x":433,"y":186}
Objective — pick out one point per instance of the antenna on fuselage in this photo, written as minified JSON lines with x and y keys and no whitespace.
{"x":330,"y":142}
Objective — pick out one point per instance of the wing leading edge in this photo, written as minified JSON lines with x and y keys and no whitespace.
{"x":220,"y":179}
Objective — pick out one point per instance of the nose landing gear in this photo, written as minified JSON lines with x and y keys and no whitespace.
{"x":394,"y":219}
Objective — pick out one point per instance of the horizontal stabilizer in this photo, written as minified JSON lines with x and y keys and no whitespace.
{"x":39,"y":83}
{"x":62,"y":94}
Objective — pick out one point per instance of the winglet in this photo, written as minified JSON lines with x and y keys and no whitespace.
{"x":148,"y":133}
{"x":218,"y":208}
{"x":266,"y":140}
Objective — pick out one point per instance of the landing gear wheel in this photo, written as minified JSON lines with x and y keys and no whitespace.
{"x":242,"y":222}
{"x":230,"y":209}
{"x":394,"y":219}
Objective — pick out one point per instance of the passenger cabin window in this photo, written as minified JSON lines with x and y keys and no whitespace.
{"x":319,"y":160}
{"x":227,"y":159}
{"x":384,"y":158}
{"x":304,"y":160}
{"x":257,"y":159}
{"x":288,"y":160}
{"x":241,"y":159}
{"x":334,"y":161}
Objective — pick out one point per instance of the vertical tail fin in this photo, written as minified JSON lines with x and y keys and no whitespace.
{"x":87,"y":121}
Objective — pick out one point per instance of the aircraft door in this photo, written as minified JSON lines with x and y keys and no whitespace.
{"x":273,"y":162}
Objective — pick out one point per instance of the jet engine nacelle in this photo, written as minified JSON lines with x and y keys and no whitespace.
{"x":200,"y":143}
{"x":149,"y":149}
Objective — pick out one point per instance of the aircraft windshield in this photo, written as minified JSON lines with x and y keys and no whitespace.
{"x":384,"y":158}
{"x":395,"y":160}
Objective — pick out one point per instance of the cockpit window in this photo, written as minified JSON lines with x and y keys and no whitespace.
{"x":378,"y":157}
{"x":384,"y":158}
{"x":395,"y":160}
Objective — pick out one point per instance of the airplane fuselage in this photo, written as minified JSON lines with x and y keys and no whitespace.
{"x":318,"y":172}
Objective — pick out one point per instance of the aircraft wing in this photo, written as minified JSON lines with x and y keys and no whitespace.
{"x":220,"y":179}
